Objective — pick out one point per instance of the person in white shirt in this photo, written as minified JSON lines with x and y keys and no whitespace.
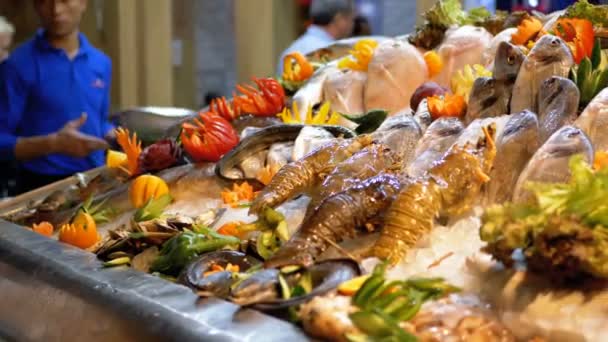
{"x":6,"y":36}
{"x":331,"y":20}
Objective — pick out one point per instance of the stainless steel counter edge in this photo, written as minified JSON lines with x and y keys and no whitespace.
{"x":150,"y":307}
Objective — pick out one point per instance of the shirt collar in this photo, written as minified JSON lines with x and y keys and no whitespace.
{"x":42,"y":42}
{"x":319,"y":32}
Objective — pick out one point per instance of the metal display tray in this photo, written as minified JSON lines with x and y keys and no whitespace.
{"x":54,"y":292}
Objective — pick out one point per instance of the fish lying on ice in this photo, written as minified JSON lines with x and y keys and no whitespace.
{"x":550,"y":163}
{"x":437,"y":139}
{"x":394,"y":72}
{"x":550,"y":56}
{"x":489,"y":98}
{"x":558,"y":99}
{"x":594,"y":121}
{"x":514,"y":148}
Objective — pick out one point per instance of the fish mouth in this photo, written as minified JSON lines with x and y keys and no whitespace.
{"x":547,"y":59}
{"x":489,"y":102}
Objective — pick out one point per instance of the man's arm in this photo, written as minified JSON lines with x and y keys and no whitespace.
{"x":13,"y":96}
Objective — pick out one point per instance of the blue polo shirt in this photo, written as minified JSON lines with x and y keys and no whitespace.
{"x":41,"y":89}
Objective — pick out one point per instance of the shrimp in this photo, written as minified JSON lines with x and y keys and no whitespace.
{"x":337,"y":218}
{"x":297,"y":177}
{"x":450,"y":187}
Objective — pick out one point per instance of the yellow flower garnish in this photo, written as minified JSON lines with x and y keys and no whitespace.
{"x":462,"y":81}
{"x":433,"y":62}
{"x":323,"y":117}
{"x":360,"y":55}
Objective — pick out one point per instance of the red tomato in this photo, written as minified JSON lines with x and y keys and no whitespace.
{"x":209,"y":138}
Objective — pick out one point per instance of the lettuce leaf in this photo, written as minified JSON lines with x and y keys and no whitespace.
{"x":582,"y":9}
{"x":585,"y":196}
{"x":449,"y":12}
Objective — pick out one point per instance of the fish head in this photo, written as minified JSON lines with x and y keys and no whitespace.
{"x":485,"y":93}
{"x":521,"y":127}
{"x":557,"y":88}
{"x":508,"y":61}
{"x":551,"y":49}
{"x":568,"y":141}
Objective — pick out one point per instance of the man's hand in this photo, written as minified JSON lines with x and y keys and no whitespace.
{"x":70,"y":141}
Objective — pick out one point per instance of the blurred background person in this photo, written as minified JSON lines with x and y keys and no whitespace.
{"x":54,"y":99}
{"x":361,"y":27}
{"x":331,"y":20}
{"x":6,"y":37}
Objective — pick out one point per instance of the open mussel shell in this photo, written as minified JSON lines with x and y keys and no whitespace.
{"x":216,"y":284}
{"x":326,"y":276}
{"x":262,"y":140}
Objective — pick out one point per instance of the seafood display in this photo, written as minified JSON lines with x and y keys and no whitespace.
{"x":448,"y":185}
{"x":451,"y":187}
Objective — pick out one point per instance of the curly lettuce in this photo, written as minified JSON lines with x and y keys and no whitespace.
{"x":582,"y":9}
{"x":564,"y":234}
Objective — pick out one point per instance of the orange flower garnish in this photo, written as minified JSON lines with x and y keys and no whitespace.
{"x":243,"y":192}
{"x":296,"y":68}
{"x":578,"y":35}
{"x":527,"y":30}
{"x":79,"y":235}
{"x":446,"y":105}
{"x":44,"y":228}
{"x":132,"y":148}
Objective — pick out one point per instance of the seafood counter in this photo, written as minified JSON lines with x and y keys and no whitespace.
{"x":447,"y":185}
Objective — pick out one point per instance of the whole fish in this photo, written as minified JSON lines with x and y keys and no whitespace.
{"x":435,"y":142}
{"x":336,"y":219}
{"x":558,"y":99}
{"x":507,"y":63}
{"x":550,"y":163}
{"x":514,"y":148}
{"x":550,"y":56}
{"x":594,"y":121}
{"x":401,"y":134}
{"x":488,"y":98}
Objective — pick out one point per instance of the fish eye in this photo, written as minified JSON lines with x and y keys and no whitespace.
{"x":511,"y":59}
{"x":554,"y":42}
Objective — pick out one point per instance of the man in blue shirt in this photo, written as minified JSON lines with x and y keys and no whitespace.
{"x":54,"y":98}
{"x":331,"y":20}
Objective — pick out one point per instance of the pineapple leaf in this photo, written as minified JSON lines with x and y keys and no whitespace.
{"x":153,"y":208}
{"x":584,"y":71}
{"x":602,"y":80}
{"x":596,"y":54}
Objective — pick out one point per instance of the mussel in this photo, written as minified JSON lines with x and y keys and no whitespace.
{"x":261,"y":141}
{"x":325,"y":275}
{"x":216,"y":284}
